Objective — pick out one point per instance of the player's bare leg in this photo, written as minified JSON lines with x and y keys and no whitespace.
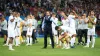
{"x":73,"y":40}
{"x":67,"y":42}
{"x":61,"y":39}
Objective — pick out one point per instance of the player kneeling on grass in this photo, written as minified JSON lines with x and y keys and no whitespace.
{"x":64,"y":37}
{"x":29,"y":35}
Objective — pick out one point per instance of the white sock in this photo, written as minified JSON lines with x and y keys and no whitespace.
{"x":30,"y":40}
{"x":68,"y":45}
{"x":56,"y":39}
{"x":10,"y":46}
{"x":65,"y":45}
{"x":93,"y":41}
{"x":72,"y":41}
{"x":72,"y":44}
{"x":50,"y":41}
{"x":88,"y":40}
{"x":17,"y":41}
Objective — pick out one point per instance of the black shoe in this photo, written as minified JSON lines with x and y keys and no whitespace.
{"x":78,"y":44}
{"x":44,"y":48}
{"x":83,"y":44}
{"x":33,"y":42}
{"x":52,"y":47}
{"x":4,"y":42}
{"x":36,"y":41}
{"x":72,"y":46}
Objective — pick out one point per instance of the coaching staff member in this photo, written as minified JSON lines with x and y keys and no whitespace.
{"x":47,"y":29}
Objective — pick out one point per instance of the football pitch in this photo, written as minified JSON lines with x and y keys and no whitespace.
{"x":35,"y":50}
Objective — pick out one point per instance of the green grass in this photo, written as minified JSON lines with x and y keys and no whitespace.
{"x":35,"y":50}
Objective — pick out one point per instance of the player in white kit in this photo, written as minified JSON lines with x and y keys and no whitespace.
{"x":53,"y":27}
{"x":64,"y":36}
{"x":65,"y":22}
{"x":71,"y":18}
{"x":91,"y":28}
{"x":25,"y":27}
{"x":11,"y":32}
{"x":17,"y":29}
{"x":29,"y":31}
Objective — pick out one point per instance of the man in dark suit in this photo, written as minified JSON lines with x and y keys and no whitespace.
{"x":47,"y":29}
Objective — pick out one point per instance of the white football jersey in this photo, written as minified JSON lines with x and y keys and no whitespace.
{"x":11,"y":25}
{"x":30,"y":21}
{"x":71,"y":21}
{"x":55,"y":21}
{"x":65,"y":22}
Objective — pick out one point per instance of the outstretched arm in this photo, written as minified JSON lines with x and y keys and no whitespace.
{"x":75,"y":14}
